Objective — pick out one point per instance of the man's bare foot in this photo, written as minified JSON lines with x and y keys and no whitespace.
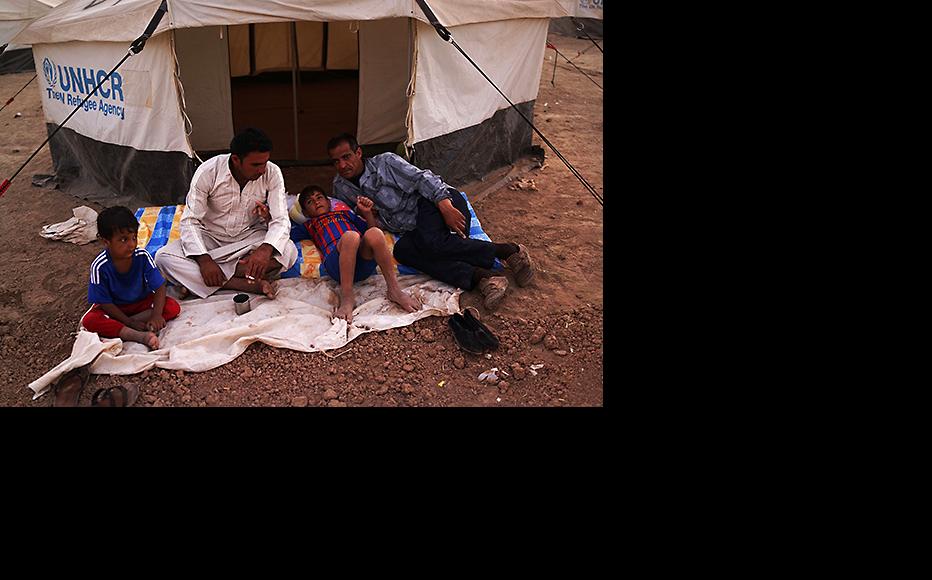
{"x":345,"y":311}
{"x":407,"y":303}
{"x":149,"y":339}
{"x":270,"y":289}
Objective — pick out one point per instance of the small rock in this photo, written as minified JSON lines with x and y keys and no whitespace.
{"x":212,"y":401}
{"x":408,"y":368}
{"x":560,"y":352}
{"x":409,"y":336}
{"x":330,"y":394}
{"x":380,"y":379}
{"x":336,"y":403}
{"x":299,"y":402}
{"x":459,"y":362}
{"x":551,"y":342}
{"x":518,"y":371}
{"x":503,"y":386}
{"x":427,"y":335}
{"x":538,"y":335}
{"x":247,"y":373}
{"x":382,"y":390}
{"x":163,"y":375}
{"x":407,"y":389}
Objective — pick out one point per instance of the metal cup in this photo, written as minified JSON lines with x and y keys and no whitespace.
{"x":241,"y":303}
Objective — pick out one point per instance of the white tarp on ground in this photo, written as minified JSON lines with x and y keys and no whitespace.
{"x":450,"y":94}
{"x":137,"y":106}
{"x":124,"y":20}
{"x":208,"y":333}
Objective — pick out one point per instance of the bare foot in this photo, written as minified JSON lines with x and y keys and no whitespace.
{"x":183,"y":292}
{"x":149,"y":339}
{"x":270,"y":289}
{"x":407,"y":303}
{"x":345,"y":311}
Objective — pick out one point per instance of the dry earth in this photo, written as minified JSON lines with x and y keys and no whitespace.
{"x":556,"y":322}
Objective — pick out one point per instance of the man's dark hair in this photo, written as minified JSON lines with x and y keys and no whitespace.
{"x":249,"y":140}
{"x":114,"y":219}
{"x":342,"y":138}
{"x":307,"y":192}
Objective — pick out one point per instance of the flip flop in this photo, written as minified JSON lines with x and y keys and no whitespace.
{"x":125,"y":396}
{"x":67,"y":391}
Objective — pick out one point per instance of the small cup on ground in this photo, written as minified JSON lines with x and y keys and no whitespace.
{"x":241,"y":303}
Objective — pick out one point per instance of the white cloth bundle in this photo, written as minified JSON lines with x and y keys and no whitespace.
{"x":80,"y":229}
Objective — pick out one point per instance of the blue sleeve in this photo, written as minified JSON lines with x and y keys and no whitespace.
{"x":98,"y":293}
{"x":299,"y":232}
{"x":154,"y":279}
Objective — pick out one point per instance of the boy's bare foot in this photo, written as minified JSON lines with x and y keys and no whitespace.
{"x":147,"y":338}
{"x":270,"y":289}
{"x":183,"y":292}
{"x":407,"y":303}
{"x":345,"y":311}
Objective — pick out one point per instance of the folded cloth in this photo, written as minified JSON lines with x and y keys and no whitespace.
{"x":80,"y":229}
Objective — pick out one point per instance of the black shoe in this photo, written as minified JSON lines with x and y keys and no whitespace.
{"x":465,"y":338}
{"x":482,"y":332}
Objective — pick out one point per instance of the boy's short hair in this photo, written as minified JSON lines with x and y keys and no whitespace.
{"x":306,"y":193}
{"x":347,"y":138}
{"x":249,"y":140}
{"x":113,"y":219}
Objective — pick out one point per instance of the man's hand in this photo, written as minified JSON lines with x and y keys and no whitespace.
{"x":156,"y":323}
{"x":210,"y":271}
{"x":257,"y":263}
{"x":453,"y":217}
{"x":262,"y":211}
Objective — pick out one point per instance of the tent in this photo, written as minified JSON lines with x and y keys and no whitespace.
{"x":302,"y":70}
{"x":15,"y":15}
{"x":586,"y":21}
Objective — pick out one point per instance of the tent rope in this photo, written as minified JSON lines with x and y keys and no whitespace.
{"x":19,"y":91}
{"x":549,"y":45}
{"x":447,"y":37}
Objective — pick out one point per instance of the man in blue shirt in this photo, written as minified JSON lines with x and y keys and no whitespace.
{"x":430,"y":216}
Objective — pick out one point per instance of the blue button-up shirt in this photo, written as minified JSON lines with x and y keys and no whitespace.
{"x":394,"y":185}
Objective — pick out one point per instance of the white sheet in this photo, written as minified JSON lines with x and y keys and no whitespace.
{"x":208,"y":333}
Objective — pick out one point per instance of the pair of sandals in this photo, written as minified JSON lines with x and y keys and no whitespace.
{"x":67,"y":391}
{"x":470,"y":334}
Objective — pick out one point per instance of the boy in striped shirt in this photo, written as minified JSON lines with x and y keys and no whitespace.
{"x":126,"y":289}
{"x":350,"y":246}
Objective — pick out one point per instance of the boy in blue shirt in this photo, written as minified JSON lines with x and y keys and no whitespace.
{"x":126,"y":289}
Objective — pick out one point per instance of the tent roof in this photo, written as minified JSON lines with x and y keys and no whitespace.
{"x":15,"y":15}
{"x":125,"y":20}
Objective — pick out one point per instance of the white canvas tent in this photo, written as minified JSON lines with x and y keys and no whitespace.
{"x":296,"y":68}
{"x":15,"y":15}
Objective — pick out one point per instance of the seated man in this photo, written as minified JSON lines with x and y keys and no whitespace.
{"x":224,"y":242}
{"x":430,"y":216}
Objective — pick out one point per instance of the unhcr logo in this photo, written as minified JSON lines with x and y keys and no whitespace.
{"x":51,"y":76}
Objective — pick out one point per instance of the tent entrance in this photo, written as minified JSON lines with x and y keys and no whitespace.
{"x":327,"y":104}
{"x":312,"y":80}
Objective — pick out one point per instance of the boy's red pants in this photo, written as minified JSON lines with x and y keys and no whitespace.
{"x":96,"y":320}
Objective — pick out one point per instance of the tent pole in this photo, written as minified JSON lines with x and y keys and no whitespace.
{"x":294,"y":84}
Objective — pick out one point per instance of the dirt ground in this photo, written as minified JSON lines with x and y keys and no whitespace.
{"x":556,"y":322}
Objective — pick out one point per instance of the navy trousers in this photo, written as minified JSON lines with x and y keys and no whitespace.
{"x":432,"y":249}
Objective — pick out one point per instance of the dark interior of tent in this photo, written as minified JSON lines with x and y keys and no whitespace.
{"x":318,"y":100}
